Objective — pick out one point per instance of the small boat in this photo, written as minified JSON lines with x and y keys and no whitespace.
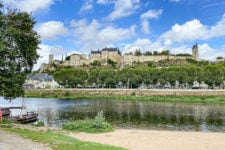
{"x":5,"y":111}
{"x":26,"y":118}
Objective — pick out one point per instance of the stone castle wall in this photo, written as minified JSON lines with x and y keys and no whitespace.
{"x":77,"y":60}
{"x":129,"y":59}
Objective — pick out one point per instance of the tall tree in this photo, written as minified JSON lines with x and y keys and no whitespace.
{"x":18,"y":45}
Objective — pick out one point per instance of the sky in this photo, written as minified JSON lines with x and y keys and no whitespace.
{"x":79,"y":26}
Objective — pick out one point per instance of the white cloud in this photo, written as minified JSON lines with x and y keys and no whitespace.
{"x":95,"y":36}
{"x":142,"y":44}
{"x":218,"y":29}
{"x":86,"y":6}
{"x":208,"y":53}
{"x":104,"y":1}
{"x":123,"y":8}
{"x":44,"y":52}
{"x":51,"y":30}
{"x":193,"y":30}
{"x":30,"y":5}
{"x":151,"y":14}
{"x":145,"y":27}
{"x":176,"y":1}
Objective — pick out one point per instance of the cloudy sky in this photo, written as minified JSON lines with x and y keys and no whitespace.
{"x":68,"y":26}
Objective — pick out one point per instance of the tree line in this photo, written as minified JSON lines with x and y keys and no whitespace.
{"x":134,"y":77}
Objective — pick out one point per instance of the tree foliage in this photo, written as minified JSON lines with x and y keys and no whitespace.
{"x":18,"y":45}
{"x":71,"y":77}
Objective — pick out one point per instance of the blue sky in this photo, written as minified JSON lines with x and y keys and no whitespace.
{"x":79,"y":26}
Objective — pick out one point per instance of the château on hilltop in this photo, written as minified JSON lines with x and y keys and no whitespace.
{"x":113,"y":55}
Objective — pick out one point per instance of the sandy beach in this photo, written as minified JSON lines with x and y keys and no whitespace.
{"x":157,"y":140}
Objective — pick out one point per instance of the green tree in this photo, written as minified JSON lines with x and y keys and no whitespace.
{"x":137,"y":52}
{"x":18,"y":45}
{"x":106,"y":77}
{"x":155,"y":53}
{"x":71,"y":77}
{"x":165,"y":52}
{"x":111,"y":62}
{"x":93,"y":76}
{"x":96,"y":63}
{"x":147,"y":53}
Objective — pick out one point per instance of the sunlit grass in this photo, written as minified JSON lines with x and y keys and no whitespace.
{"x":58,"y":141}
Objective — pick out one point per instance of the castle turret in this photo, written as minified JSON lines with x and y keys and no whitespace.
{"x":50,"y":59}
{"x":195,"y":52}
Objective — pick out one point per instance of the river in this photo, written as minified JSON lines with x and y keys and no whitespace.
{"x":127,"y":114}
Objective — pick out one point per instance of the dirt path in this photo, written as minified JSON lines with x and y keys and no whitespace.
{"x":9,"y":141}
{"x":157,"y":140}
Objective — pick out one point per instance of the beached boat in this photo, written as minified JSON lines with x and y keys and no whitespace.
{"x":5,"y":111}
{"x":26,"y":118}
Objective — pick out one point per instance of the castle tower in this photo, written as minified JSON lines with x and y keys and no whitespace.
{"x":50,"y":59}
{"x":195,"y":51}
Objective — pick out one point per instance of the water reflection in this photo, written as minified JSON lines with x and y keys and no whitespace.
{"x":154,"y":115}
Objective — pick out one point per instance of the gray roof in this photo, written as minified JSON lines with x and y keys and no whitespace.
{"x":110,"y":49}
{"x":40,"y":77}
{"x":95,"y":52}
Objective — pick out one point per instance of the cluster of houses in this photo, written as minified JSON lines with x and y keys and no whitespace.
{"x":40,"y":81}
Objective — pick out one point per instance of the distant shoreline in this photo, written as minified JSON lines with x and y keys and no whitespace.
{"x":160,"y":95}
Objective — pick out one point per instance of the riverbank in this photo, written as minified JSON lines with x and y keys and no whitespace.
{"x":160,"y":95}
{"x":134,"y":139}
{"x":157,"y":140}
{"x":26,"y":137}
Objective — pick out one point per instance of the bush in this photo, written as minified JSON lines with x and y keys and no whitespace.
{"x":67,"y":93}
{"x":133,"y":94}
{"x":94,"y":125}
{"x":39,"y":124}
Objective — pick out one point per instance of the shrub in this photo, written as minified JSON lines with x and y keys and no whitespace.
{"x":133,"y":94}
{"x":94,"y":125}
{"x":67,"y":93}
{"x":39,"y":124}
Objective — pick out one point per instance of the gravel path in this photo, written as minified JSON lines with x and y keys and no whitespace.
{"x":10,"y":141}
{"x":157,"y":140}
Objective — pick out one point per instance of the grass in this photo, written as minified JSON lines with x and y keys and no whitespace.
{"x":87,"y":126}
{"x":6,"y":123}
{"x":196,"y":99}
{"x":58,"y":141}
{"x":96,"y":125}
{"x":39,"y":124}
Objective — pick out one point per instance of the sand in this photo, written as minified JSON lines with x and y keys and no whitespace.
{"x":157,"y":140}
{"x":132,"y":139}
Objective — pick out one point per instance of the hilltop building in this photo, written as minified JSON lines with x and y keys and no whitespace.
{"x":195,"y":51}
{"x":113,"y":54}
{"x":106,"y":54}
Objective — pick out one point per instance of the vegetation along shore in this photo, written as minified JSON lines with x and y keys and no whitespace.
{"x":205,"y":96}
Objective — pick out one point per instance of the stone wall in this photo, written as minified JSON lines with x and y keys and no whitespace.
{"x":128,"y":92}
{"x":129,"y":59}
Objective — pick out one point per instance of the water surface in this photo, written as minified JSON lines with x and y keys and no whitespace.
{"x":126,"y":114}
